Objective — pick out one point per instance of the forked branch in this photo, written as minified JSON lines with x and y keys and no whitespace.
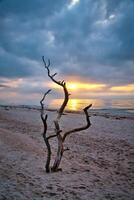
{"x":60,"y":83}
{"x":46,"y":140}
{"x":44,"y":119}
{"x":80,"y":128}
{"x":60,"y":137}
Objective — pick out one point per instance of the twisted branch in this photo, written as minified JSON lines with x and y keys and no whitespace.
{"x":80,"y":128}
{"x":60,"y":138}
{"x":46,"y":140}
{"x":60,"y":83}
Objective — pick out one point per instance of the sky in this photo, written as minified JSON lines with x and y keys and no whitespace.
{"x":90,"y":44}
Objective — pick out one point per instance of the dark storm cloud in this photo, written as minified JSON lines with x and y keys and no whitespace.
{"x":31,"y":8}
{"x":15,"y":66}
{"x":93,"y":39}
{"x":98,"y":41}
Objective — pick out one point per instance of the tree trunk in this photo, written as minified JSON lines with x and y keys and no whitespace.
{"x":60,"y":137}
{"x":59,"y":154}
{"x":47,"y":166}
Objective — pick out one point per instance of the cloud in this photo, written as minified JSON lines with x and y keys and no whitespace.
{"x":99,"y":51}
{"x":3,"y":86}
{"x":30,"y":9}
{"x":89,"y":39}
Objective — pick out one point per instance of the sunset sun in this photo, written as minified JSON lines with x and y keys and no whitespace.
{"x":72,"y":86}
{"x":66,"y":99}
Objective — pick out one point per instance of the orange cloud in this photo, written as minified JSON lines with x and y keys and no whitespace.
{"x":74,"y":86}
{"x":123,"y":89}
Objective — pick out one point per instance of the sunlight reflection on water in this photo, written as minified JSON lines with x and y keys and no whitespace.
{"x":79,"y":104}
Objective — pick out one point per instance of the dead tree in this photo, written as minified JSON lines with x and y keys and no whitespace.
{"x":59,"y":134}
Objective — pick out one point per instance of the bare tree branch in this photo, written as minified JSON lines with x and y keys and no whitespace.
{"x":51,"y":136}
{"x":60,"y":83}
{"x":80,"y":128}
{"x":44,"y":120}
{"x":41,"y":101}
{"x":48,"y":71}
{"x":60,"y":147}
{"x":60,"y":137}
{"x":66,"y":98}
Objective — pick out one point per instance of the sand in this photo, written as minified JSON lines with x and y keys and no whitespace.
{"x":98,"y":166}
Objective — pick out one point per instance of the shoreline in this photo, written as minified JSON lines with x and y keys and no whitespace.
{"x":117,"y":113}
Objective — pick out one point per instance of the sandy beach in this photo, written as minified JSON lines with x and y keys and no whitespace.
{"x":98,"y":166}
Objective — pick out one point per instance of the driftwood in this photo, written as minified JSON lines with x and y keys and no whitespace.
{"x":58,"y":132}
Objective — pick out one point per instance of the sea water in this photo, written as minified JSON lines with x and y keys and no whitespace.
{"x":113,"y":106}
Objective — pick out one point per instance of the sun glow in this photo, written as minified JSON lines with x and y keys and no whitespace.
{"x":74,"y":86}
{"x":85,"y":86}
{"x":73,"y":3}
{"x":124,"y":88}
{"x":76,"y":104}
{"x":73,"y":104}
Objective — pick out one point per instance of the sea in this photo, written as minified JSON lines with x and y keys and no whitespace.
{"x":110,"y":106}
{"x":114,"y":106}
